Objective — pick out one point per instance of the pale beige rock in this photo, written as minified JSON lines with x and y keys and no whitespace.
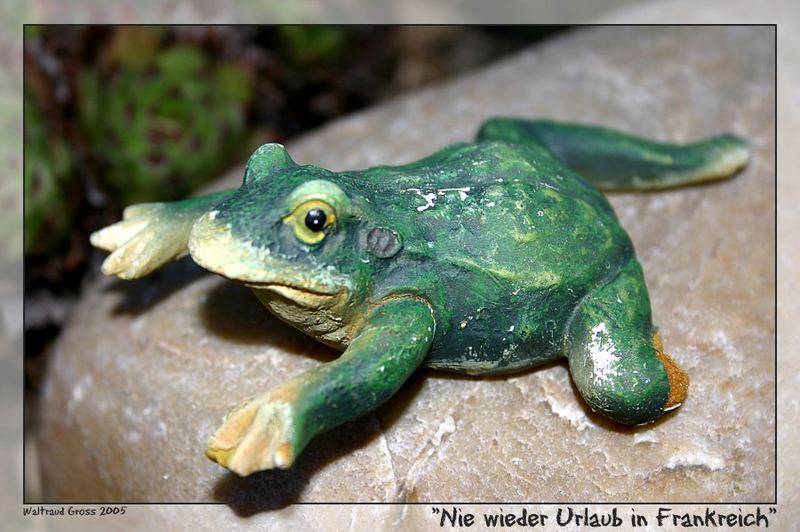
{"x":147,"y":369}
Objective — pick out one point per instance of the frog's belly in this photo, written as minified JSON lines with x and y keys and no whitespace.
{"x":506,"y":338}
{"x":505,"y":361}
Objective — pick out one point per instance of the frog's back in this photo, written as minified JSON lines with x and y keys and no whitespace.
{"x":505,"y":241}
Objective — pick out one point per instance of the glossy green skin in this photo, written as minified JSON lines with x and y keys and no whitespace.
{"x":504,"y":263}
{"x":484,"y":258}
{"x":518,"y":249}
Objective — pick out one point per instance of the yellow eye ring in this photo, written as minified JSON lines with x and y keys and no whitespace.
{"x":309,"y":219}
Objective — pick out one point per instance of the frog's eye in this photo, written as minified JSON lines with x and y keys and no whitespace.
{"x":309,"y":219}
{"x":315,"y":219}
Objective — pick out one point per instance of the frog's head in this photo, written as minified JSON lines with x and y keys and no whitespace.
{"x":289,"y":233}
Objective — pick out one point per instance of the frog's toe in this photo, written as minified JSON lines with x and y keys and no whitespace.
{"x":149,"y":211}
{"x":678,"y":379}
{"x":145,"y":251}
{"x":112,"y":237}
{"x":146,"y":239}
{"x":254,"y":437}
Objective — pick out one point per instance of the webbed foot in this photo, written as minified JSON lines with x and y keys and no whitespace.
{"x":254,"y":437}
{"x":151,"y":235}
{"x":146,"y":238}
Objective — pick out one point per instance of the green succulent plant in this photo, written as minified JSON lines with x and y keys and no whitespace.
{"x":305,"y":45}
{"x":163,"y":132}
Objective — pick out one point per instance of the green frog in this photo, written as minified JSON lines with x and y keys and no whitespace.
{"x":487,"y":257}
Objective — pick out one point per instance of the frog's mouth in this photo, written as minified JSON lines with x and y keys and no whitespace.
{"x":270,"y":293}
{"x":297,"y":294}
{"x":213,"y":247}
{"x":287,"y":289}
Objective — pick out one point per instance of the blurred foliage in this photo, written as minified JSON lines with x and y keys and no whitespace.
{"x":165,"y":121}
{"x":306,"y":45}
{"x":46,"y":174}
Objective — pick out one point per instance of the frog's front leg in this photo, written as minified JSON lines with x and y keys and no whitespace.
{"x":151,"y":234}
{"x":272,"y":429}
{"x":615,"y":355}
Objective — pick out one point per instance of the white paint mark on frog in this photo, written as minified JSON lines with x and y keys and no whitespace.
{"x":603,"y":355}
{"x":365,"y":261}
{"x":540,"y":213}
{"x":462,"y":192}
{"x":429,"y":201}
{"x":463,"y":324}
{"x":429,"y":198}
{"x":509,"y":351}
{"x":511,"y":329}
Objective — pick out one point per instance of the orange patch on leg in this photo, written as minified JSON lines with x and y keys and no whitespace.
{"x":678,"y":379}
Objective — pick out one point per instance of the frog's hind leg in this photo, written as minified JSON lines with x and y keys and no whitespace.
{"x":613,"y":160}
{"x":615,"y":355}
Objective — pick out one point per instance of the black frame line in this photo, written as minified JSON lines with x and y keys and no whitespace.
{"x":774,"y":502}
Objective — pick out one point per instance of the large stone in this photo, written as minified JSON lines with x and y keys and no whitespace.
{"x":147,"y":369}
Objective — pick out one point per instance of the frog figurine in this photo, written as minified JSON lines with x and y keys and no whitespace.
{"x":484,"y":258}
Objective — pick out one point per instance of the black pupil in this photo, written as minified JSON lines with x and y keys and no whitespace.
{"x":315,"y":219}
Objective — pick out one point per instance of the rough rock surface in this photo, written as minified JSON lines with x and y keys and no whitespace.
{"x":147,"y":369}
